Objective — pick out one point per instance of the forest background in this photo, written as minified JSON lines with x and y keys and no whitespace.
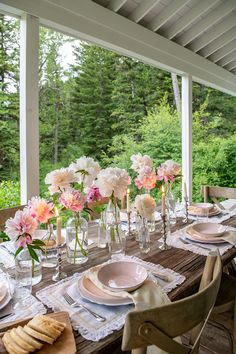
{"x":109,"y":107}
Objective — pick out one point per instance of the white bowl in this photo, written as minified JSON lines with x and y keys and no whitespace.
{"x":119,"y":276}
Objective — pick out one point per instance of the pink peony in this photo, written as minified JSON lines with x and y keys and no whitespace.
{"x":23,"y":241}
{"x":41,"y":209}
{"x":168,"y":171}
{"x":22,"y":224}
{"x":93,"y":195}
{"x":146,"y":178}
{"x":73,"y":200}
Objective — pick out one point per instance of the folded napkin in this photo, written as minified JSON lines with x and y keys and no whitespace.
{"x":230,"y":236}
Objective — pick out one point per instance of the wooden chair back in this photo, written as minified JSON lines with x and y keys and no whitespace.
{"x":160,"y":325}
{"x":6,"y":214}
{"x":217,"y":192}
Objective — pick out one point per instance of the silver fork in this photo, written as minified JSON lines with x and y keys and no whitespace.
{"x":74,"y":303}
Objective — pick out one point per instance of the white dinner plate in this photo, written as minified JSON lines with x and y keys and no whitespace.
{"x":213,"y":240}
{"x":208,"y":229}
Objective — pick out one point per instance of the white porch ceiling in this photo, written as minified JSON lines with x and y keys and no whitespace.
{"x":193,"y":37}
{"x":206,"y":27}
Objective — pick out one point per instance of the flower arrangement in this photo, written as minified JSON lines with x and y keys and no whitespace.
{"x":143,"y":164}
{"x":145,"y":205}
{"x":168,"y":171}
{"x":22,"y":227}
{"x":86,"y":170}
{"x":112,"y":182}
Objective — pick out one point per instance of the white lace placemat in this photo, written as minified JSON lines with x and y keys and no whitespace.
{"x":178,"y":239}
{"x":87,"y":326}
{"x":21,"y":308}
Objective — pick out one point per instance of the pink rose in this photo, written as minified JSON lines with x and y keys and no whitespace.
{"x":41,"y":209}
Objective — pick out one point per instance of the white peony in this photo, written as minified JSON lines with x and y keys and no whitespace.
{"x":113,"y":180}
{"x":86,"y":170}
{"x":139,"y":161}
{"x":145,"y":205}
{"x":60,"y":180}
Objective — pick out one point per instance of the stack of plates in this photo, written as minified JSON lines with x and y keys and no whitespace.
{"x":114,"y":277}
{"x":206,"y":232}
{"x":5,"y":295}
{"x":203,"y":209}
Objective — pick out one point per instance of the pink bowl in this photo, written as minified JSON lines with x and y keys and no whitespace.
{"x":119,"y":276}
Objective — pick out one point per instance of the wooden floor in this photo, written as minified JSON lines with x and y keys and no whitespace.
{"x":216,"y":339}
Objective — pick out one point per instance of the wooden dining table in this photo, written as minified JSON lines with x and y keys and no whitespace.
{"x":186,"y":263}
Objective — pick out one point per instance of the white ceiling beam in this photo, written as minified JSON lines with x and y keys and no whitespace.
{"x":218,"y":43}
{"x":216,"y":31}
{"x":221,"y":53}
{"x":188,"y":18}
{"x":227,"y":59}
{"x":213,"y":17}
{"x":115,"y":5}
{"x":166,"y":14}
{"x":91,"y":22}
{"x":142,"y":9}
{"x":231,"y":65}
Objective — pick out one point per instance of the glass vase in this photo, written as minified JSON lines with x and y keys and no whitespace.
{"x":115,"y":235}
{"x":102,"y":236}
{"x":77,"y":240}
{"x":144,"y":236}
{"x":49,"y":254}
{"x":151,"y":223}
{"x":170,"y":204}
{"x":27,"y":270}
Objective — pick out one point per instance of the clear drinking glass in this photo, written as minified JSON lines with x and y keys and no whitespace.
{"x":102,"y":236}
{"x":28,"y":271}
{"x":144,"y":237}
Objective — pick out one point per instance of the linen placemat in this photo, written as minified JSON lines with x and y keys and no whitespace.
{"x":178,"y":239}
{"x":87,"y":326}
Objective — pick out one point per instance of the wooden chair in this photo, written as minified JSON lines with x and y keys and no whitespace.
{"x":160,"y":325}
{"x":6,"y":214}
{"x":217,"y":192}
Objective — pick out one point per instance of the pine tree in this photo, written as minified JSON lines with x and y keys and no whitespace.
{"x":91,"y":101}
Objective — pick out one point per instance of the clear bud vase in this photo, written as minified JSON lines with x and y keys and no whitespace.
{"x":144,"y":237}
{"x":102,"y":235}
{"x":151,"y":223}
{"x":170,"y":204}
{"x":49,"y":254}
{"x":115,"y":235}
{"x":27,"y":270}
{"x":77,"y":240}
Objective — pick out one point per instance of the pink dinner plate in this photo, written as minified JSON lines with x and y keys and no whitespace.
{"x":198,"y":212}
{"x":209,"y":229}
{"x":91,"y":292}
{"x":118,"y":276}
{"x":195,"y":237}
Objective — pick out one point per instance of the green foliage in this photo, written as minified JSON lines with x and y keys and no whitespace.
{"x":9,"y":194}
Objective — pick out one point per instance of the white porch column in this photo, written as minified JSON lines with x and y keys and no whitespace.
{"x":29,"y":120}
{"x":187,"y":133}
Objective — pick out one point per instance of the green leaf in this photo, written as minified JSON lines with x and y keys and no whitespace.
{"x":38,"y":242}
{"x":4,"y":236}
{"x":32,"y":253}
{"x":18,"y":251}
